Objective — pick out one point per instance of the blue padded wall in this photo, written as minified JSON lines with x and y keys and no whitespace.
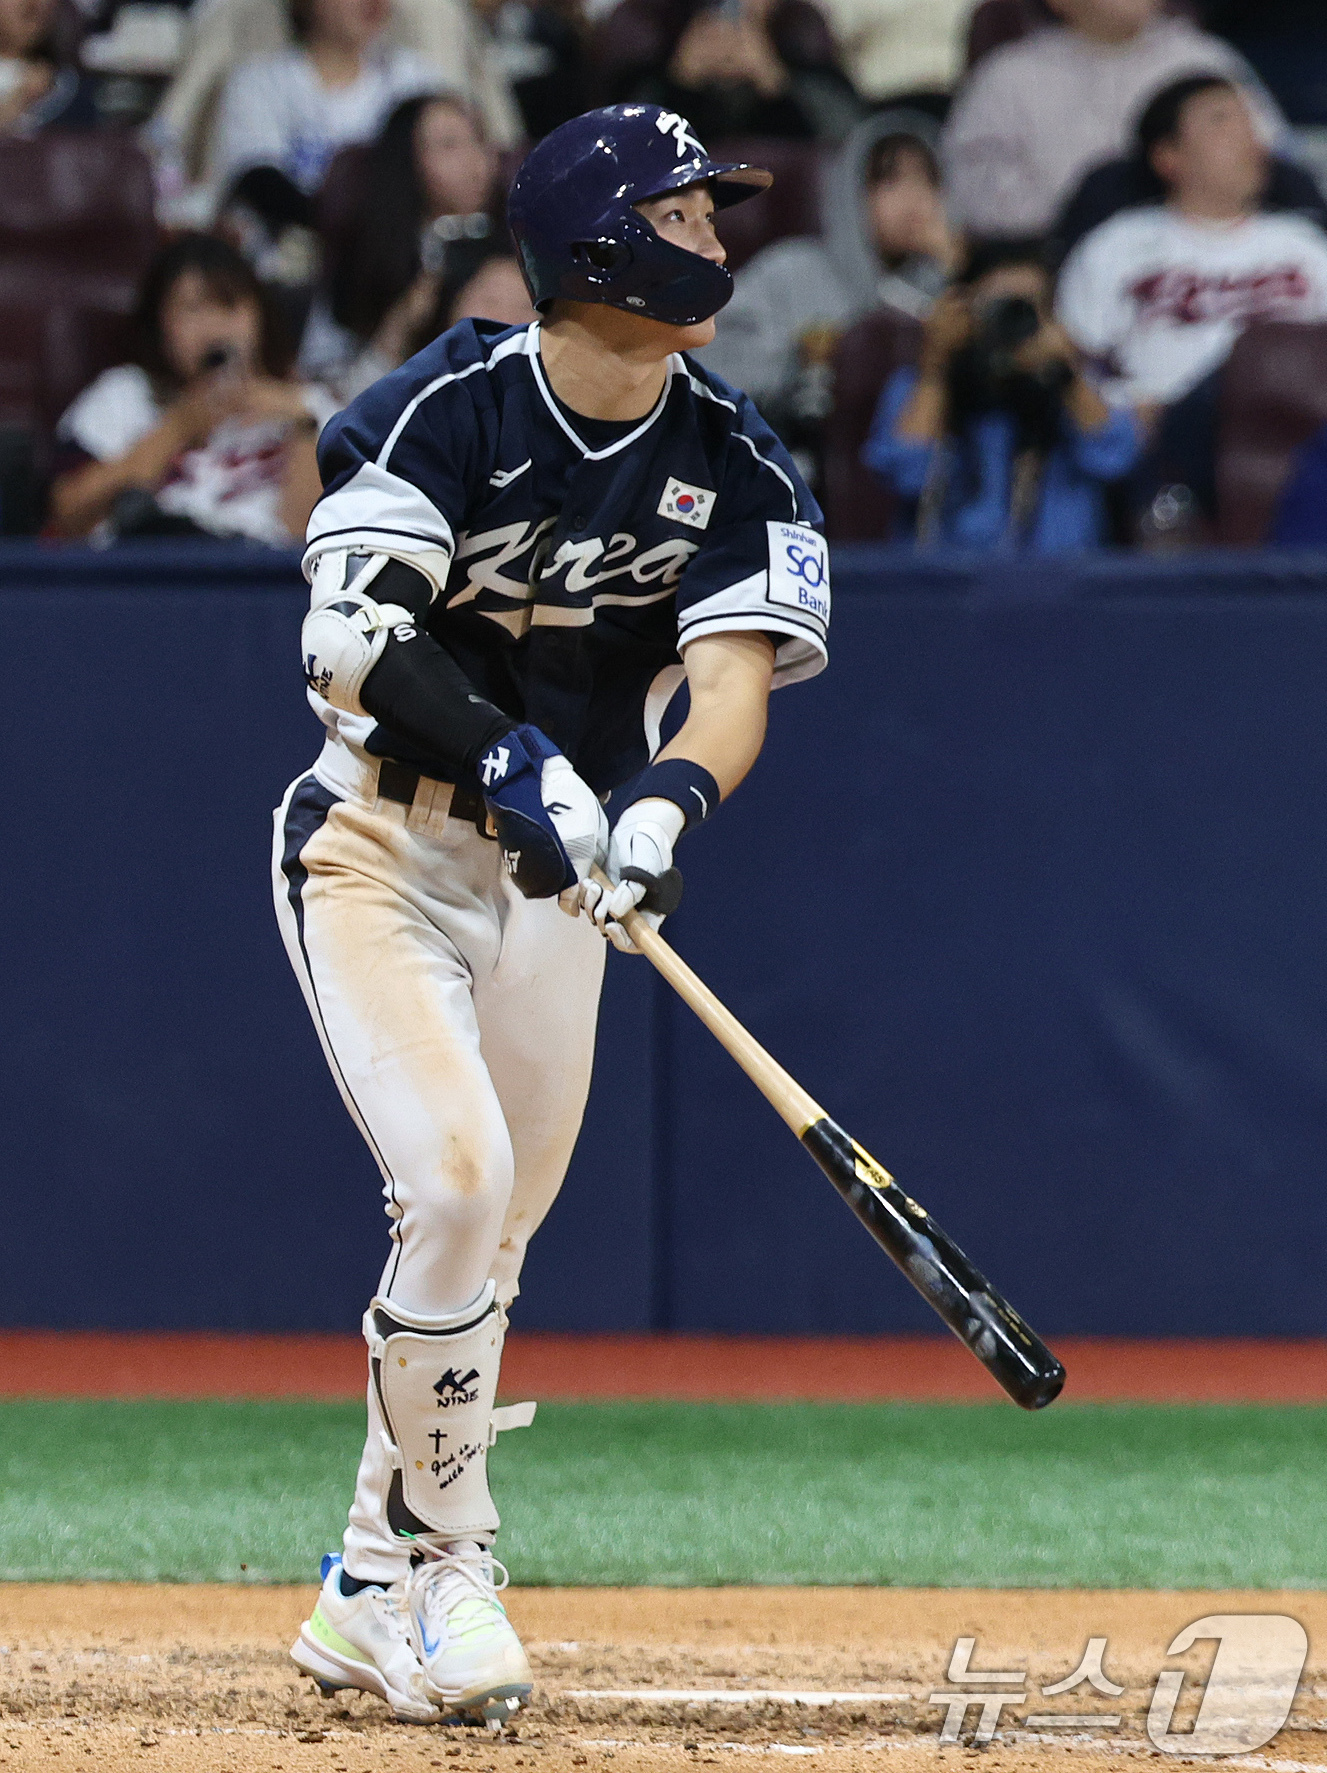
{"x":1030,"y":889}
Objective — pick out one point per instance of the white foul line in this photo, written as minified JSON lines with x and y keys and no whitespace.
{"x":728,"y":1695}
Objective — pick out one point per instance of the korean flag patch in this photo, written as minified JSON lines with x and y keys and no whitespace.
{"x":799,"y":569}
{"x":693,"y":505}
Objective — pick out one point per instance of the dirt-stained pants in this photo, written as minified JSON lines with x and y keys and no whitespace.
{"x":458,"y":1020}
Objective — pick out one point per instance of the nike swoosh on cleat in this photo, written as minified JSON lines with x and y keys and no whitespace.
{"x":430,"y":1648}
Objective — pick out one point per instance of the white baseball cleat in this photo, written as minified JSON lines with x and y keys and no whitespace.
{"x":472,"y":1657}
{"x":363,"y":1640}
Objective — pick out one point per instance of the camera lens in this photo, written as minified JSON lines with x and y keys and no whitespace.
{"x":1010,"y":322}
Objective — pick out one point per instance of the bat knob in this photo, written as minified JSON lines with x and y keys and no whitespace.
{"x":663,"y":892}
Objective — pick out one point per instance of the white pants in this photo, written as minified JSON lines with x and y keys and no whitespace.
{"x":458,"y":1020}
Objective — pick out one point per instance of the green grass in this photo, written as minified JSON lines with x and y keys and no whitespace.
{"x":1094,"y":1495}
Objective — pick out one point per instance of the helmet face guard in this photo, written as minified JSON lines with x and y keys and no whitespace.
{"x":579,"y":236}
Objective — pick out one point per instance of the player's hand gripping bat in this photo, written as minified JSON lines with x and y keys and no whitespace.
{"x":1013,"y":1354}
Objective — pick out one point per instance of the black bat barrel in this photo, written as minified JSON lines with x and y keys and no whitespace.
{"x":983,"y":1321}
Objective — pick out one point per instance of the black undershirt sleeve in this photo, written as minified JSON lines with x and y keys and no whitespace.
{"x":417,"y":688}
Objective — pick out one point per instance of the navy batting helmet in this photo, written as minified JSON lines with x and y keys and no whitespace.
{"x":578,"y":235}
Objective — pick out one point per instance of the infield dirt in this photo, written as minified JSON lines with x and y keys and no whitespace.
{"x":175,"y":1678}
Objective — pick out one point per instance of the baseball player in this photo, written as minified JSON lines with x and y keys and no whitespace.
{"x":529,"y":539}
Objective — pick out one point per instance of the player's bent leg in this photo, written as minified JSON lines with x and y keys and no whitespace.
{"x":364,"y":1640}
{"x":436,"y":1379}
{"x":389,"y":993}
{"x":549,"y":976}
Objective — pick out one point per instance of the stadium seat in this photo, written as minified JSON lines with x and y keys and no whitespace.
{"x":1273,"y":399}
{"x":790,"y":206}
{"x":857,"y":507}
{"x":76,"y":234}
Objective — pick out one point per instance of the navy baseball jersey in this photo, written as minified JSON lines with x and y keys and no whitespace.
{"x":572,"y":558}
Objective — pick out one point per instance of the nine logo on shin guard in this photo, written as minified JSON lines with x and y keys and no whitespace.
{"x":454,"y":1388}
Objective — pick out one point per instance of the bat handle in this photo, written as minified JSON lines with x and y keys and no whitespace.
{"x":796,"y":1106}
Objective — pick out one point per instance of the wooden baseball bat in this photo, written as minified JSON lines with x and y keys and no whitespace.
{"x":981,"y":1318}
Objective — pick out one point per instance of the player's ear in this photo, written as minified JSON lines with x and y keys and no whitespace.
{"x":607,"y":257}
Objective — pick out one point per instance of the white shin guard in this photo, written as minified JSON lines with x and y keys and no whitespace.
{"x":436,"y":1378}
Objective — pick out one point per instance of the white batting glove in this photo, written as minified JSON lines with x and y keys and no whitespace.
{"x":577,"y":815}
{"x":642,"y":838}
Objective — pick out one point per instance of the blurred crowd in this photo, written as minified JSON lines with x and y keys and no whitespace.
{"x":1034,"y":274}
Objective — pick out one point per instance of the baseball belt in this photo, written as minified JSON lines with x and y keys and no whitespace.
{"x":398,"y":782}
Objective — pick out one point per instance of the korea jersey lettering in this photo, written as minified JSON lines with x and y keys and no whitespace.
{"x":568,"y":574}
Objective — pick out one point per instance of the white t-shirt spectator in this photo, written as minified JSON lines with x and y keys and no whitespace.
{"x":230,"y":485}
{"x":275,"y":111}
{"x":1157,"y":299}
{"x":1038,"y":114}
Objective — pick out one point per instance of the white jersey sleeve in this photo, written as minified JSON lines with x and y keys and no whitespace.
{"x":403,"y":464}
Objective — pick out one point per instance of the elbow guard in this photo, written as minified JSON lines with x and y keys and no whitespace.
{"x":342,"y":641}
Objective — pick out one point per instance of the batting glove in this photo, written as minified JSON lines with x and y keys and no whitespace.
{"x":640,"y":857}
{"x":550,"y":823}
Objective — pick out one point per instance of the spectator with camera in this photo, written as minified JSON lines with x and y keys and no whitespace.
{"x":1157,"y":296}
{"x":997,"y":438}
{"x":1036,"y":115}
{"x":206,"y":434}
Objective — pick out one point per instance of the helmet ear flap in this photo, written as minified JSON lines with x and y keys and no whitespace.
{"x":602,"y":259}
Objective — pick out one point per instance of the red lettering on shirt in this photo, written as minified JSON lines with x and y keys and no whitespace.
{"x":1197,"y":298}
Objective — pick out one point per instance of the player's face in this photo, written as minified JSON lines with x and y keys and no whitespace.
{"x":686,"y":218}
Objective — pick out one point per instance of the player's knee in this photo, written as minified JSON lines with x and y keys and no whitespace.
{"x":470,"y":1169}
{"x":465,"y":1188}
